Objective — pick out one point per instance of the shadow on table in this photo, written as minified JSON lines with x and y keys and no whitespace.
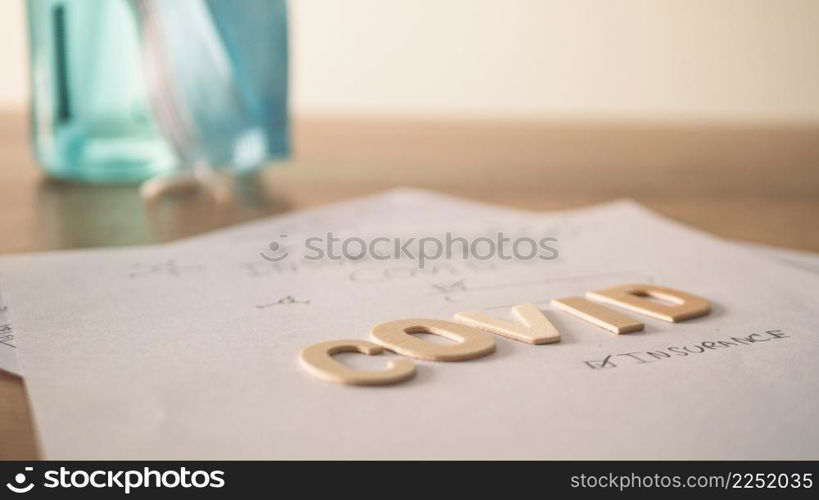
{"x":73,"y":215}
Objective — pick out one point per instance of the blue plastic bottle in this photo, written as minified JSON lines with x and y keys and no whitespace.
{"x":106,"y":72}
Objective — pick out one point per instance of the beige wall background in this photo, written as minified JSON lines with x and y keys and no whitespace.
{"x":668,"y":60}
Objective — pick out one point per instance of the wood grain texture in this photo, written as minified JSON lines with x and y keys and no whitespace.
{"x":318,"y":360}
{"x":757,"y":183}
{"x":533,"y":327}
{"x":399,"y":337}
{"x":669,"y":304}
{"x":598,"y":315}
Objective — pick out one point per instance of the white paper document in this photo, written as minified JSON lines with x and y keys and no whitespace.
{"x":190,"y":350}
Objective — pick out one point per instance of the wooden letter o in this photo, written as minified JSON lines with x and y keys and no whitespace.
{"x":397,"y":336}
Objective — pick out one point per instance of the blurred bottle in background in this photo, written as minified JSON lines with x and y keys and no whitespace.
{"x":126,"y":90}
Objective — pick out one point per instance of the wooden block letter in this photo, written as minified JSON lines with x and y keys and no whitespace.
{"x":637,"y":297}
{"x":397,"y":336}
{"x":536,"y":328}
{"x":598,"y":315}
{"x":318,"y":360}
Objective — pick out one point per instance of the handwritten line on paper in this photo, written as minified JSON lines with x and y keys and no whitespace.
{"x":283,"y":301}
{"x":168,"y":268}
{"x":7,"y":336}
{"x":368,"y":272}
{"x":7,"y":339}
{"x":646,"y":357}
{"x":461,"y":287}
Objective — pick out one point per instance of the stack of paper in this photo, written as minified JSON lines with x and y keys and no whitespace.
{"x":190,"y":350}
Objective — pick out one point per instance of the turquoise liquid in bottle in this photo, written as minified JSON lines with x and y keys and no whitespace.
{"x":222,"y":69}
{"x":91,"y":117}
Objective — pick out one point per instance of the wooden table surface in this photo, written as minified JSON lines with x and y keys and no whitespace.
{"x":755,"y":183}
